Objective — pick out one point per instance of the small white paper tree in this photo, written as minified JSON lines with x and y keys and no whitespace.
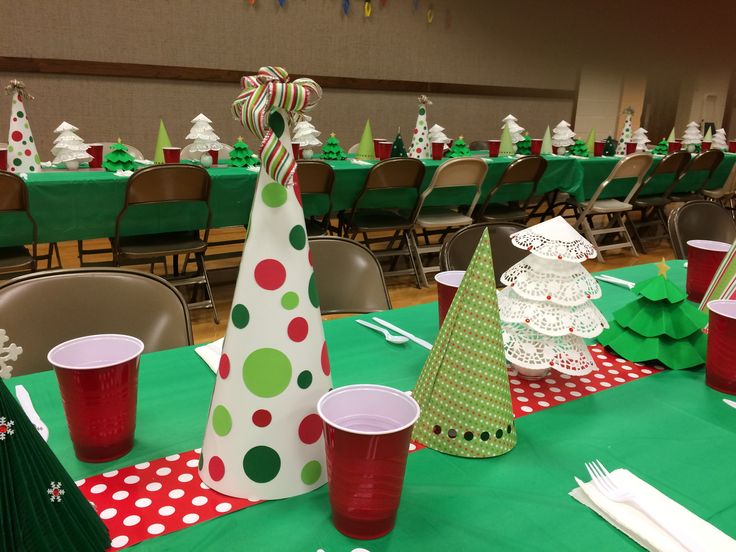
{"x":305,"y":134}
{"x":437,"y":134}
{"x":692,"y":137}
{"x":514,"y":128}
{"x":719,"y":140}
{"x":203,"y":135}
{"x":640,"y":138}
{"x":69,"y":148}
{"x":562,"y":137}
{"x":547,"y":309}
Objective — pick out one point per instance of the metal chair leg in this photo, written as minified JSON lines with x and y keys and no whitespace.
{"x":416,"y":262}
{"x":202,"y":270}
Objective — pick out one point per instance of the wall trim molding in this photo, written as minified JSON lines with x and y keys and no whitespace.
{"x":204,"y":74}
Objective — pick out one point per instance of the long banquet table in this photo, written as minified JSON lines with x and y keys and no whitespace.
{"x":77,"y":205}
{"x":668,"y":428}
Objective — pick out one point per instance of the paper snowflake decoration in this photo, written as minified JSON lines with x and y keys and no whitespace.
{"x":7,"y":353}
{"x":55,"y":492}
{"x":6,"y":427}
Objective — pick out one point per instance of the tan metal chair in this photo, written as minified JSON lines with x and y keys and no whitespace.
{"x":458,"y":249}
{"x":162,"y":184}
{"x":726,"y":194}
{"x":15,"y":259}
{"x":635,"y":166}
{"x":463,"y":172}
{"x":43,"y":309}
{"x":316,"y":179}
{"x":402,"y":175}
{"x":527,"y":171}
{"x":135,"y":152}
{"x":348,"y":275}
{"x":699,"y":220}
{"x":705,"y":163}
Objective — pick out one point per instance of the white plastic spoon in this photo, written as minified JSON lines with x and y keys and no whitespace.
{"x":395,"y":339}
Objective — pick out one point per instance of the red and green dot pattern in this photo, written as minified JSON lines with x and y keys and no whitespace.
{"x":22,"y":154}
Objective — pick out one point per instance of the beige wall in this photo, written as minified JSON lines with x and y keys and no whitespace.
{"x":598,"y":103}
{"x":703,"y":97}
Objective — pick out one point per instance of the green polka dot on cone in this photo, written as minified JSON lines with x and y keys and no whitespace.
{"x":267,"y":372}
{"x":274,"y":194}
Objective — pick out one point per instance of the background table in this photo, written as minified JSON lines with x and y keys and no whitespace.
{"x":668,"y":428}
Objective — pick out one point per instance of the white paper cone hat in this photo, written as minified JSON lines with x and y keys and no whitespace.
{"x":22,"y":154}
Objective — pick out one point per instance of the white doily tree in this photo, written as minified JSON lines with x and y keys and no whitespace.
{"x":546,"y":308}
{"x":516,"y":131}
{"x":719,"y":140}
{"x":203,"y":135}
{"x":69,"y":148}
{"x":692,"y":137}
{"x":640,"y":138}
{"x":8,"y":353}
{"x":305,"y":134}
{"x":562,"y":137}
{"x":437,"y":134}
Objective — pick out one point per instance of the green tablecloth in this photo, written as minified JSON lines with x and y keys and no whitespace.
{"x":670,"y":429}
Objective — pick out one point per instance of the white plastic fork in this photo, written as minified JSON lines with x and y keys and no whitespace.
{"x":613,"y":491}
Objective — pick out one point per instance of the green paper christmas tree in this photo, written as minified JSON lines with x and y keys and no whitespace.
{"x":662,"y":148}
{"x":660,"y":326}
{"x":366,"y":151}
{"x":459,"y":149}
{"x":590,"y":141}
{"x":525,"y":146}
{"x":463,"y":390}
{"x":242,"y":156}
{"x":119,"y":159}
{"x":398,"y":149}
{"x":162,"y":141}
{"x":507,"y":146}
{"x":547,"y":142}
{"x":579,"y":148}
{"x":43,"y":510}
{"x":332,"y":150}
{"x":609,"y":147}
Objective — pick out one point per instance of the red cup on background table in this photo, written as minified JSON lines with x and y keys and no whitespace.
{"x":3,"y":159}
{"x":384,"y":150}
{"x":98,"y":380}
{"x":376,"y":143}
{"x":214,"y":154}
{"x":536,"y":146}
{"x":598,"y":148}
{"x":703,"y":259}
{"x":672,"y":147}
{"x":95,"y":150}
{"x":494,"y":146}
{"x":172,"y":155}
{"x":732,"y":146}
{"x":367,"y":435}
{"x":705,"y":146}
{"x":720,"y":369}
{"x":438,"y":150}
{"x":448,"y":283}
{"x":296,"y":149}
{"x":630,"y":148}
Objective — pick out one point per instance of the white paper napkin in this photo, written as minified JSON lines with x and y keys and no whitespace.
{"x":643,"y":530}
{"x":211,"y":353}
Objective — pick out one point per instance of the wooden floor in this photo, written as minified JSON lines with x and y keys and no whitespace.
{"x":402,"y":289}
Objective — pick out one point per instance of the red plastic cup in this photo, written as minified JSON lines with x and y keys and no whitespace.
{"x":630,"y":148}
{"x":672,"y":147}
{"x":95,"y":150}
{"x":732,"y":146}
{"x":296,"y":149}
{"x":536,"y":146}
{"x":376,"y":144}
{"x":98,"y":379}
{"x":384,"y":150}
{"x":705,"y":146}
{"x":720,"y":369}
{"x":494,"y":147}
{"x":703,"y":259}
{"x":3,"y":159}
{"x":438,"y":150}
{"x":367,"y":434}
{"x":214,"y":154}
{"x":172,"y":155}
{"x":448,"y":283}
{"x":598,"y":148}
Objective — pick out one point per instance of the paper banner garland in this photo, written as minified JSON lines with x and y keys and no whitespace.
{"x":22,"y":154}
{"x":420,"y":146}
{"x":723,"y":285}
{"x":263,"y":437}
{"x":463,"y":389}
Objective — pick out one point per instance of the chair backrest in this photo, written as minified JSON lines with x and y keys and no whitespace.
{"x":634,"y":165}
{"x":43,"y":309}
{"x":315,"y":177}
{"x":135,"y":152}
{"x":13,"y":192}
{"x":395,"y":173}
{"x":348,"y":275}
{"x":706,"y":162}
{"x":188,"y":154}
{"x":168,"y":183}
{"x":673,"y":164}
{"x":477,"y":145}
{"x":458,"y":249}
{"x":729,"y":186}
{"x":699,"y":220}
{"x":528,"y":169}
{"x":459,"y":172}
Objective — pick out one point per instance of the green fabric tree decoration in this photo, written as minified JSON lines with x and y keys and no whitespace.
{"x":118,"y":159}
{"x":459,"y":149}
{"x":42,"y":508}
{"x":398,"y":149}
{"x":507,"y":146}
{"x":242,"y":156}
{"x":662,"y":148}
{"x":659,"y":326}
{"x":579,"y":148}
{"x":609,"y":147}
{"x":525,"y":146}
{"x":332,"y":150}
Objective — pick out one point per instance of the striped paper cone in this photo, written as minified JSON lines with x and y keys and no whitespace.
{"x":723,"y":285}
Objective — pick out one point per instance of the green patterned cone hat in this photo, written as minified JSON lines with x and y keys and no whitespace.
{"x":463,"y":389}
{"x":162,"y":141}
{"x":263,"y":438}
{"x":365,"y":148}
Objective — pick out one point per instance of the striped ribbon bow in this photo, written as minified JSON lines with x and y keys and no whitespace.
{"x":261,"y":106}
